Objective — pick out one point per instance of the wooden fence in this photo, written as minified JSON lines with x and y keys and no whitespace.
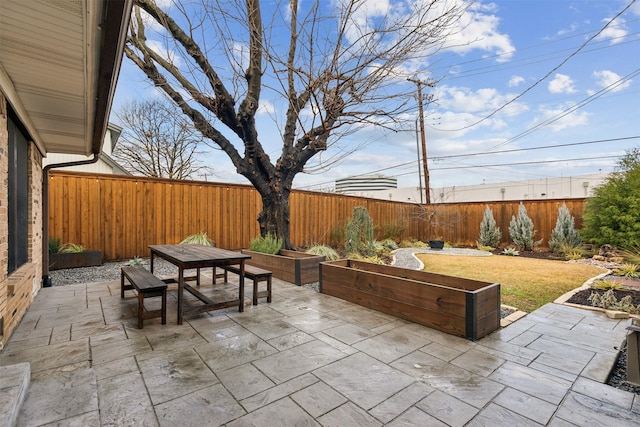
{"x":121,"y":216}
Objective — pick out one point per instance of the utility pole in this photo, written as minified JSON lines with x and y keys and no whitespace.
{"x":423,"y":138}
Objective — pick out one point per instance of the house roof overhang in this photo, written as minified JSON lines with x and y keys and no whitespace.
{"x":59,"y":64}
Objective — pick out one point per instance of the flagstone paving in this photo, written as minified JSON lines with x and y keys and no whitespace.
{"x":307,"y":359}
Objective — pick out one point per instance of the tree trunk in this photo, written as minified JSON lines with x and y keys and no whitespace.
{"x":274,"y":218}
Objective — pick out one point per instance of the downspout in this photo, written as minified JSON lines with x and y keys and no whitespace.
{"x":46,"y":280}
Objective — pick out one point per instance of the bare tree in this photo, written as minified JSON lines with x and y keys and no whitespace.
{"x":158,"y":141}
{"x":333,"y":68}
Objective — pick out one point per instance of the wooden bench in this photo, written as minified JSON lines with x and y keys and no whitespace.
{"x":254,"y":273}
{"x":147,"y":285}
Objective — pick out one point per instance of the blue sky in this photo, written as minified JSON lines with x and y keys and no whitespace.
{"x":523,"y":75}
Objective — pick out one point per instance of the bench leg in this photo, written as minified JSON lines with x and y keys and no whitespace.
{"x":255,"y":291}
{"x":121,"y":285}
{"x":164,"y":306}
{"x":140,"y":309}
{"x":269,"y":289}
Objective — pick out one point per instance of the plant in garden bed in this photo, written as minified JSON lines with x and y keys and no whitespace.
{"x":564,"y":235}
{"x":510,"y":252}
{"x":359,"y":238}
{"x":609,"y":301}
{"x":136,"y":261}
{"x":200,"y":238}
{"x":327,"y":252}
{"x":521,"y":230}
{"x":490,"y":234}
{"x":627,"y":270}
{"x":70,"y":248}
{"x":267,"y":244}
{"x":605,"y":285}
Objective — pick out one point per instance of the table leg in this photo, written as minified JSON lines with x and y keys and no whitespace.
{"x":241,"y":291}
{"x":151,"y":263}
{"x":180,"y":293}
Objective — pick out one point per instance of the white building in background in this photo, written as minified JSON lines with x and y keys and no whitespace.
{"x":105,"y":164}
{"x":570,"y":187}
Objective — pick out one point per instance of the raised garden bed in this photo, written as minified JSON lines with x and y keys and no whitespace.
{"x":292,"y":266}
{"x":457,"y":306}
{"x":59,"y":261}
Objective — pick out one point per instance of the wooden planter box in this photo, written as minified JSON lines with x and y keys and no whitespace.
{"x":292,"y":266}
{"x":73,"y":260}
{"x":462,"y":307}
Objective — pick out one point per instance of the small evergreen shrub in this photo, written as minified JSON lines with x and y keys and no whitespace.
{"x":490,"y":234}
{"x":268,"y":244}
{"x":327,"y":252}
{"x":521,"y":229}
{"x":359,"y":238}
{"x":564,"y":234}
{"x":390,"y":244}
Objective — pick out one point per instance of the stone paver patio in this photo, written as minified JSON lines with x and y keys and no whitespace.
{"x":308,"y":359}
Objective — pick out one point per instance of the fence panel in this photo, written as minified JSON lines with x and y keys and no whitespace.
{"x":121,"y":215}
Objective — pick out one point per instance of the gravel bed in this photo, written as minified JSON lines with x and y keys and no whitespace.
{"x":106,"y":272}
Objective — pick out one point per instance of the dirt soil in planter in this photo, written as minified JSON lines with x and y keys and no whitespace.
{"x":582,"y":297}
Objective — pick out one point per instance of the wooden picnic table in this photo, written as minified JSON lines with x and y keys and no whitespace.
{"x":187,"y":257}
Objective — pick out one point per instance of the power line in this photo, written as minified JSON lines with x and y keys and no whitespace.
{"x":542,"y":147}
{"x":537,"y":162}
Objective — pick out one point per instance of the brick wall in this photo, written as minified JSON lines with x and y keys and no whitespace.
{"x":4,"y":221}
{"x":18,"y":290}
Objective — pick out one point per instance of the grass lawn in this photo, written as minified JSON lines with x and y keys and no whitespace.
{"x":525,"y":283}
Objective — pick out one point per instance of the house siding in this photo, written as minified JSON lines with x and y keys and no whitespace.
{"x":18,"y":289}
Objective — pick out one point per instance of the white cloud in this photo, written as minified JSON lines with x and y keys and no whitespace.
{"x":479,"y":30}
{"x":573,"y":27}
{"x":463,"y":99}
{"x":606,"y":78}
{"x":515,"y":81}
{"x":558,"y":123}
{"x":166,"y":53}
{"x":561,"y":83}
{"x":615,"y":32}
{"x":266,"y":107}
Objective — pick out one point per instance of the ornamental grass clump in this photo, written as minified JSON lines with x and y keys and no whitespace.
{"x":71,"y":248}
{"x":564,"y":235}
{"x":490,"y":234}
{"x":200,"y":238}
{"x":268,"y":244}
{"x":327,"y":252}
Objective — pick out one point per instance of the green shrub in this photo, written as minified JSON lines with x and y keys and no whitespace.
{"x":521,"y":229}
{"x":268,"y":244}
{"x":198,"y":239}
{"x":54,"y":245}
{"x":490,"y":234}
{"x":327,"y":252}
{"x":338,"y":236}
{"x":391,"y":231}
{"x":564,"y":234}
{"x":611,"y":214}
{"x":390,"y":244}
{"x":71,"y":248}
{"x":359,"y":239}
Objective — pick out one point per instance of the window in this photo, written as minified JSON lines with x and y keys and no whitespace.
{"x":18,"y":196}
